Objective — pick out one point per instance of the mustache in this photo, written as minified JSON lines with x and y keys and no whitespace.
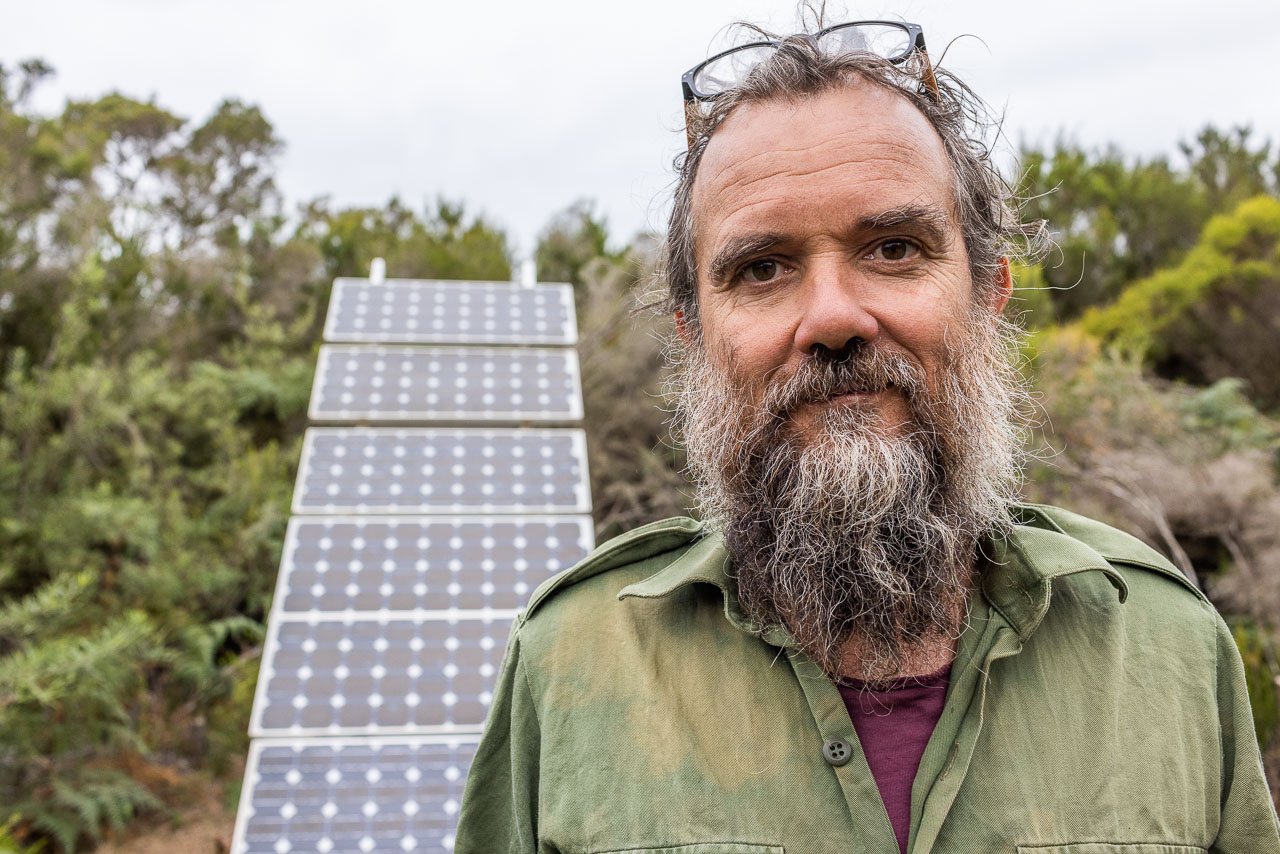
{"x":863,"y":369}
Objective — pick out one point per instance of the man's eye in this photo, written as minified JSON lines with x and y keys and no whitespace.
{"x":895,"y":250}
{"x":761,"y":271}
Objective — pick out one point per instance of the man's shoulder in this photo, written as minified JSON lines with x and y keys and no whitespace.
{"x":1135,"y":562}
{"x":617,"y":562}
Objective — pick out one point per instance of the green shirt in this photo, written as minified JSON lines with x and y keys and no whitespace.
{"x":1097,"y":705}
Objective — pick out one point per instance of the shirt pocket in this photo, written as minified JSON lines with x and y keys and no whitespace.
{"x":1112,"y":848}
{"x":702,"y":848}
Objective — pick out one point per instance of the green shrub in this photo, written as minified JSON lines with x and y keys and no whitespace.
{"x":1258,"y":651}
{"x":1214,"y":315}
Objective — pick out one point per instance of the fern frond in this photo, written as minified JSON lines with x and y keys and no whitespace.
{"x":93,"y":669}
{"x":197,"y":666}
{"x":44,"y":612}
{"x":81,"y":804}
{"x":61,"y":827}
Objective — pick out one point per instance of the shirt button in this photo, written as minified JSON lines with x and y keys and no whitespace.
{"x":837,"y":752}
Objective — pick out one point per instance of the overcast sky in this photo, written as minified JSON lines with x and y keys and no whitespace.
{"x":520,"y":108}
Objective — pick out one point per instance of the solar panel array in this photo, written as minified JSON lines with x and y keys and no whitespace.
{"x":438,"y":486}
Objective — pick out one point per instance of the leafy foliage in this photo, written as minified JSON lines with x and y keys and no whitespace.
{"x":9,"y":843}
{"x":442,"y":245}
{"x":1258,"y":651}
{"x":1117,"y":219}
{"x":574,"y":239}
{"x":1213,"y":315}
{"x":636,"y":473}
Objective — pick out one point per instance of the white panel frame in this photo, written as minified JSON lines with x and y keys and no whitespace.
{"x":259,"y":745}
{"x":442,"y":416}
{"x":586,"y":529}
{"x":563,"y":291}
{"x":271,"y":646}
{"x":581,"y":489}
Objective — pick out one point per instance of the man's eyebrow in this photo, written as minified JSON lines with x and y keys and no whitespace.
{"x":929,"y":221}
{"x":932,"y":223}
{"x":738,"y":248}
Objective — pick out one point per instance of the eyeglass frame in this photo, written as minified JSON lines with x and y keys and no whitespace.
{"x":915,"y":35}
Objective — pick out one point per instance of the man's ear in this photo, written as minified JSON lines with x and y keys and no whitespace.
{"x":682,"y":329}
{"x":1004,"y":285}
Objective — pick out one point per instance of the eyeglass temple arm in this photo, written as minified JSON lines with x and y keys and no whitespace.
{"x":930,"y":81}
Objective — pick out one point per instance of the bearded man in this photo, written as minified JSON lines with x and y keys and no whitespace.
{"x":867,"y":645}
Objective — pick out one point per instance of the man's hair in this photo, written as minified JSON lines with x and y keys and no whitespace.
{"x":986,"y":207}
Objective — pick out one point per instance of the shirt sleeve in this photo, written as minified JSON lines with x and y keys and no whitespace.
{"x":500,"y":802}
{"x":1249,"y":824}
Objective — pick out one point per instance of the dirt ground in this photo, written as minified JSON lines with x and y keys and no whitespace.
{"x":204,"y":827}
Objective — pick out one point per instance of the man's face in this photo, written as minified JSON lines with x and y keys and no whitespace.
{"x":848,"y":409}
{"x":823,"y":221}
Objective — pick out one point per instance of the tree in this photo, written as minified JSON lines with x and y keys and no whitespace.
{"x":1214,"y":316}
{"x":443,"y":243}
{"x":575,"y":237}
{"x":1227,"y":168}
{"x":1117,"y":219}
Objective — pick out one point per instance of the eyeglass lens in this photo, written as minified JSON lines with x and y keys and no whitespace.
{"x":885,"y":40}
{"x":720,"y":75}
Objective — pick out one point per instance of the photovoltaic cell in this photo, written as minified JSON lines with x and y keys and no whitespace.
{"x":440,"y":312}
{"x":354,"y":564}
{"x":428,"y":470}
{"x":374,"y":795}
{"x":419,"y":674}
{"x":378,"y":383}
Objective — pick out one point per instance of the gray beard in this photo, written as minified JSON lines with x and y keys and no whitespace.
{"x":852,"y":533}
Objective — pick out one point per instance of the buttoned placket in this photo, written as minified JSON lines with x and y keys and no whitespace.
{"x":946,"y":758}
{"x":989,"y":636}
{"x":868,"y":819}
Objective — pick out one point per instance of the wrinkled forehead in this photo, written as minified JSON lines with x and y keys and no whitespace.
{"x":859,"y":134}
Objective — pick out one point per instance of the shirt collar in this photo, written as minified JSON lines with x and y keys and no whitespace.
{"x":1017,"y":573}
{"x":706,"y":562}
{"x":1019,"y":569}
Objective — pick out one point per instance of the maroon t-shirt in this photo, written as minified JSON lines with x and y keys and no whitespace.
{"x":893,"y":723}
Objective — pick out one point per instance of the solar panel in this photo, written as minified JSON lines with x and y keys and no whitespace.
{"x":372,"y":795}
{"x":356,"y":564}
{"x":442,"y":312}
{"x":411,"y":551}
{"x":427,"y":470}
{"x":420,"y":673}
{"x":376,"y":383}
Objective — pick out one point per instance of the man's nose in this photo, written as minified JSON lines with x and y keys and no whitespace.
{"x":834,"y":315}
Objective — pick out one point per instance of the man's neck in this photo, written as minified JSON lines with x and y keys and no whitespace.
{"x":919,"y":656}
